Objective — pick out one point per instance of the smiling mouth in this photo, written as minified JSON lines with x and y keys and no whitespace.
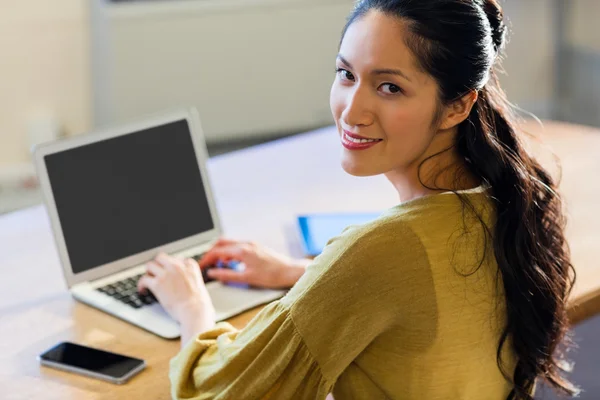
{"x":356,"y":144}
{"x":357,"y":139}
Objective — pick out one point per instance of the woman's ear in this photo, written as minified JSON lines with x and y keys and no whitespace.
{"x":458,"y":111}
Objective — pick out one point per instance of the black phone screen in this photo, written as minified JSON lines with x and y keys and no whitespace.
{"x":95,"y":360}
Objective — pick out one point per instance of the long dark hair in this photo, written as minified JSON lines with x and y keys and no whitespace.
{"x":459,"y":43}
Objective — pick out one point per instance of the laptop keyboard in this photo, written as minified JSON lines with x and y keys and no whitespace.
{"x":126,"y":290}
{"x":205,"y":277}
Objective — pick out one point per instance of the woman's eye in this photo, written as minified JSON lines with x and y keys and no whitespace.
{"x":392,"y":89}
{"x":344,"y":74}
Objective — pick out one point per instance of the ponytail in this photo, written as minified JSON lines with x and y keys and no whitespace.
{"x":528,"y":241}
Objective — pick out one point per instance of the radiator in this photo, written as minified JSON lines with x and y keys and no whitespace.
{"x":252,"y":68}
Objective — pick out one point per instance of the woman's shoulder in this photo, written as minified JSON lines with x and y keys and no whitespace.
{"x":387,"y":234}
{"x":403,"y":234}
{"x":366,"y":261}
{"x":409,"y":225}
{"x":441,"y":211}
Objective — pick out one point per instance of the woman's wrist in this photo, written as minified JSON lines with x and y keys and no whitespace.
{"x":195,"y":319}
{"x":294,"y":272}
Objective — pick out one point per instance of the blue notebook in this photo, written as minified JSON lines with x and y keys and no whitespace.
{"x":317,"y":229}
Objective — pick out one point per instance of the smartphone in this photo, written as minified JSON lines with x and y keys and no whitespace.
{"x":95,"y":363}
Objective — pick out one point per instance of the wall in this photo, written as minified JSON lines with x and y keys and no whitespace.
{"x":530,"y":63}
{"x":44,"y":68}
{"x":579,"y":91}
{"x":583,"y":30}
{"x":252,"y":68}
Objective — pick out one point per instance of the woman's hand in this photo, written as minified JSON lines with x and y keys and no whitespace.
{"x":178,"y":286}
{"x":261,"y":267}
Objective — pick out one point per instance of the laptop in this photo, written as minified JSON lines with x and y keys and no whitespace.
{"x":119,"y":196}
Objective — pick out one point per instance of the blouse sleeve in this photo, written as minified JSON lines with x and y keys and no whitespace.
{"x":297,"y":347}
{"x":265,"y":360}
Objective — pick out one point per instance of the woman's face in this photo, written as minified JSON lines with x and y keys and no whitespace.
{"x":380,"y":93}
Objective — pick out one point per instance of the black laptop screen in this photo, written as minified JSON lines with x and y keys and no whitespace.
{"x":124,"y":195}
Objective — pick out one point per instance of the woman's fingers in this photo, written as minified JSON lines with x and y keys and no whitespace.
{"x":224,"y":253}
{"x":166,"y":261}
{"x":192,"y":268}
{"x":146,"y":282}
{"x":223,"y":241}
{"x":227,"y":275}
{"x":154,"y":269}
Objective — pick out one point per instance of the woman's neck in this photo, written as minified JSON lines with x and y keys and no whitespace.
{"x":437,"y":175}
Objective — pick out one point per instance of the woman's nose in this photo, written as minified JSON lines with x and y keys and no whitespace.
{"x":357,"y":111}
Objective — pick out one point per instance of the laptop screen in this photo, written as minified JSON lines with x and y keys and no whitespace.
{"x":124,"y":195}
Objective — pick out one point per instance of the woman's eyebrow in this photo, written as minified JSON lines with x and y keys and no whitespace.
{"x":379,"y":71}
{"x":391,"y":72}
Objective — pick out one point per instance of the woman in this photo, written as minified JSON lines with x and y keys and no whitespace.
{"x":458,"y":292}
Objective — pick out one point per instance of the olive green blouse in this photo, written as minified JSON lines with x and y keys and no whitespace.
{"x":408,"y":306}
